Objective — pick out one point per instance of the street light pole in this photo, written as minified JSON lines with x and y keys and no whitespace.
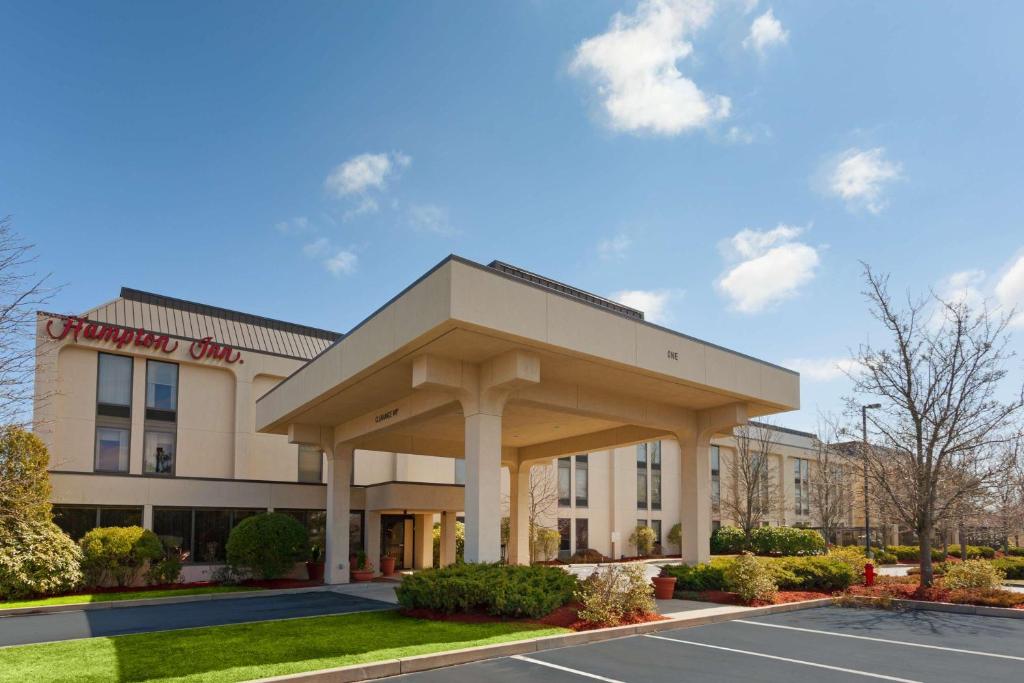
{"x":867,"y":505}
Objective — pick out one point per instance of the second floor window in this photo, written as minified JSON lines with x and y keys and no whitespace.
{"x":311,"y":464}
{"x":655,"y":457}
{"x":582,"y":482}
{"x":159,"y":445}
{"x":113,"y":412}
{"x":641,"y":476}
{"x":565,"y":482}
{"x":716,"y":479}
{"x":801,"y":486}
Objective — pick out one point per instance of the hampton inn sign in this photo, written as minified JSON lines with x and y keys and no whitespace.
{"x":80,"y":328}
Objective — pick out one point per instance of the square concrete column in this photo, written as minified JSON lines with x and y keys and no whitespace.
{"x":147,"y":517}
{"x":483,"y":488}
{"x":424,"y":533}
{"x":339,"y":471}
{"x":519,"y":515}
{"x":695,"y":501}
{"x":408,"y":543}
{"x":371,"y":521}
{"x":448,"y":554}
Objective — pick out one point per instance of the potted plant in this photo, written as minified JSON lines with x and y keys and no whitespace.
{"x":387,"y":564}
{"x":362,"y":570}
{"x":664,"y":585}
{"x":315,"y":563}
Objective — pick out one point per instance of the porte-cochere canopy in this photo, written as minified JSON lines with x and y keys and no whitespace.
{"x":507,"y":368}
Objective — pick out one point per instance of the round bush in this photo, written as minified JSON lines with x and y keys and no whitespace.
{"x":643,"y":539}
{"x":116,"y":554}
{"x":266,"y":545}
{"x":786,"y":541}
{"x":973,"y":575}
{"x":727,"y":540}
{"x":37,"y":558}
{"x":750,"y":579}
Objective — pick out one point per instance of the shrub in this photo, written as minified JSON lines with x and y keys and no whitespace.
{"x":24,"y":482}
{"x":613,"y":593}
{"x":1013,"y":567}
{"x":786,"y":541}
{"x":587,"y":556}
{"x":675,"y":536}
{"x":116,"y":554}
{"x":973,"y":575}
{"x":167,"y":570}
{"x":643,"y":539}
{"x":708,"y":576}
{"x":750,"y":579}
{"x":545,"y":543}
{"x":912,"y":553}
{"x":460,"y":543}
{"x":974,"y":551}
{"x":499,"y":590}
{"x":885,"y":557}
{"x":1015,"y":551}
{"x":266,"y":545}
{"x":852,"y":556}
{"x":37,"y":558}
{"x":827,"y":574}
{"x":988,"y":598}
{"x":728,"y":540}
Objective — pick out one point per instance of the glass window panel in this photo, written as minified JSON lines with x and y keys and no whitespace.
{"x":564,"y":531}
{"x":641,"y":488}
{"x":582,"y":537}
{"x":238,"y":515}
{"x":355,"y":532}
{"x":158,"y":452}
{"x":656,"y":525}
{"x":655,"y":489}
{"x":641,"y":455}
{"x":655,"y":452}
{"x":582,"y":481}
{"x":716,"y":462}
{"x":211,"y":534}
{"x":716,"y":494}
{"x":74,"y":521}
{"x":161,"y":385}
{"x":114,"y":380}
{"x":311,"y":462}
{"x":174,"y":527}
{"x":120,"y":516}
{"x":112,"y":449}
{"x":564,"y":483}
{"x":460,"y":471}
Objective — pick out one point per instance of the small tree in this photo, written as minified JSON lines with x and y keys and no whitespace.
{"x":939,"y":377}
{"x":266,"y":545}
{"x":118,"y":554}
{"x":752,"y":493}
{"x":24,"y":482}
{"x":831,"y":490}
{"x":543,"y":502}
{"x":643,"y":539}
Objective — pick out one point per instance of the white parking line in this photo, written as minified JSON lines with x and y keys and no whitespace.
{"x":785,"y":659}
{"x":879,"y":640}
{"x":531,"y":660}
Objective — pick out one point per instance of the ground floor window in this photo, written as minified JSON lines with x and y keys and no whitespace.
{"x":582,"y":537}
{"x":202,"y":533}
{"x":656,"y":526}
{"x":565,"y":539}
{"x":77,"y":520}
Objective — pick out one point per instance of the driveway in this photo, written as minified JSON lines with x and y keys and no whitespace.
{"x":41,"y":628}
{"x":825,"y":644}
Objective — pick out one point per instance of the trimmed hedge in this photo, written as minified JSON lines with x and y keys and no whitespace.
{"x":974,"y":552}
{"x":1013,"y":567}
{"x":728,"y":540}
{"x":498,"y":590}
{"x":912,"y":553}
{"x":780,"y":541}
{"x":819,"y":573}
{"x":117,"y":554}
{"x":267,"y":545}
{"x":1015,"y":551}
{"x":708,"y":576}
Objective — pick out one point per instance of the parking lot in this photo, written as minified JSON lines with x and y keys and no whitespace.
{"x":832,"y":643}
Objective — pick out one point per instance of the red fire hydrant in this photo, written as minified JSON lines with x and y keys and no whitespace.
{"x":869,"y":575}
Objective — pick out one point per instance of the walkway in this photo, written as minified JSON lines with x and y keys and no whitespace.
{"x":41,"y":628}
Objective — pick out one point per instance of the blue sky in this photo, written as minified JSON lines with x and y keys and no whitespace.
{"x":723,"y":165}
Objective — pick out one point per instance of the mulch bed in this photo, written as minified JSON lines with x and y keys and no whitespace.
{"x":726,"y":598}
{"x":563,"y":617}
{"x":915,"y":591}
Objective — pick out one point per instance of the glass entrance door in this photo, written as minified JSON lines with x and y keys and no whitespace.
{"x":392,"y":538}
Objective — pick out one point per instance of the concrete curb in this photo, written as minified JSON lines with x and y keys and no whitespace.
{"x":404,"y":665}
{"x":168,"y":600}
{"x":949,"y":607}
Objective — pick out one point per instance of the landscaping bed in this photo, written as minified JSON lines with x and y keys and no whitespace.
{"x":908,"y":588}
{"x":729,"y":598}
{"x":114,"y":594}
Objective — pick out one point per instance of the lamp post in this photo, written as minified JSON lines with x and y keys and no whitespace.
{"x":867,"y":506}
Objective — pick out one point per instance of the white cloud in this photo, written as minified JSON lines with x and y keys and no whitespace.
{"x":317,"y":248}
{"x":859,"y":177}
{"x":964,"y":287}
{"x":614,"y":247}
{"x":653,"y":302}
{"x":765,"y":32}
{"x":367,"y":205}
{"x":821,"y":369}
{"x":1009,"y":290}
{"x":364,"y":172}
{"x":430,"y":218}
{"x":633,"y":66}
{"x":343,"y":262}
{"x":772,"y":267}
{"x":293,"y":226}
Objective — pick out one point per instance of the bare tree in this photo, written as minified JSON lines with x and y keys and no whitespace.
{"x":543,"y":506}
{"x":752,"y":494}
{"x":22,"y":293}
{"x":831,"y":485}
{"x":938,"y":378}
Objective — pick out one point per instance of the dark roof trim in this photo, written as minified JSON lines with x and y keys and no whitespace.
{"x":786,"y":430}
{"x":566,"y":290}
{"x":226,"y":313}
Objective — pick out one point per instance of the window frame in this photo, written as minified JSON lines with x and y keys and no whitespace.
{"x":654,"y":465}
{"x":298,"y":465}
{"x":108,"y":421}
{"x":642,"y":461}
{"x":581,"y":463}
{"x":160,"y":421}
{"x":564,"y":464}
{"x":715,"y":456}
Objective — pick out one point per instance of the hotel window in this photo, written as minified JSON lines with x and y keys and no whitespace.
{"x":77,"y":520}
{"x":113,"y":412}
{"x":582,"y":538}
{"x":656,"y":525}
{"x":564,"y":540}
{"x":582,"y":483}
{"x":200,"y":532}
{"x":641,"y":476}
{"x":802,"y":486}
{"x":159,"y":446}
{"x":460,"y":471}
{"x":716,"y":479}
{"x":315,"y":522}
{"x":564,"y":482}
{"x":311,"y":464}
{"x":655,"y":453}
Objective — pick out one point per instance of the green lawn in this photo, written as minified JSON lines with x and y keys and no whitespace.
{"x":127,"y":595}
{"x":245,"y":651}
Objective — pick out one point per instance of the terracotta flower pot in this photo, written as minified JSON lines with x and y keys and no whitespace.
{"x":315,"y":570}
{"x":387,"y":566}
{"x":664,"y":587}
{"x":362,"y":574}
